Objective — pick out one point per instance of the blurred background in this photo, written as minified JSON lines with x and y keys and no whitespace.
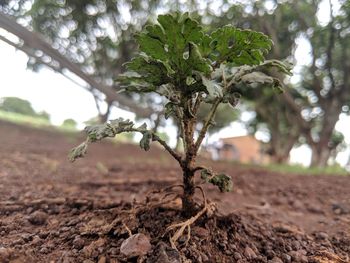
{"x":60,"y":60}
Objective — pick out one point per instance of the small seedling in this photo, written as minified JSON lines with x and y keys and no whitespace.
{"x":180,"y":61}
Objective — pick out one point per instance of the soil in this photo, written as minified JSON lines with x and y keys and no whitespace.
{"x":55,"y":211}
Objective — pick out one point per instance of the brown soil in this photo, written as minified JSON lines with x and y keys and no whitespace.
{"x":55,"y":211}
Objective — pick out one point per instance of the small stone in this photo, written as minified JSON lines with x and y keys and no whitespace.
{"x":275,"y":260}
{"x":286,"y":258}
{"x":200,"y":232}
{"x":78,"y":242}
{"x":5,"y":254}
{"x":165,"y":254}
{"x":299,"y":256}
{"x":315,"y":209}
{"x":38,"y":218}
{"x":237,"y":256}
{"x":136,"y":245}
{"x":102,"y":259}
{"x":322,"y":236}
{"x":37,"y":241}
{"x":26,"y":237}
{"x":44,"y":250}
{"x":249,"y":253}
{"x":95,"y":248}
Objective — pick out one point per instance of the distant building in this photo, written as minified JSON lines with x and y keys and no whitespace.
{"x":245,"y":149}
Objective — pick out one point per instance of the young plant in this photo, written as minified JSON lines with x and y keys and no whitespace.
{"x":190,"y":67}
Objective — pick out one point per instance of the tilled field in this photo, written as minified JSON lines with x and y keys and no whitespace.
{"x":55,"y":211}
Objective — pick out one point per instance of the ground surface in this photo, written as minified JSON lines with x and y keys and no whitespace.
{"x":55,"y":211}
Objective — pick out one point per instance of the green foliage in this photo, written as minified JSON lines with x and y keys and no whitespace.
{"x":69,"y":123}
{"x":222,"y":181}
{"x":110,"y":130}
{"x":17,"y":105}
{"x":239,"y":47}
{"x":224,"y":116}
{"x":178,"y":59}
{"x":22,"y":107}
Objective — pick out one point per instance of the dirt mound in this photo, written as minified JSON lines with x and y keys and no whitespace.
{"x":52,"y":210}
{"x":94,"y":234}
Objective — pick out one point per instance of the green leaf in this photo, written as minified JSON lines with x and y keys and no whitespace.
{"x":222,"y":181}
{"x":146,"y":140}
{"x":98,"y":132}
{"x":151,"y":72}
{"x":284,"y":67}
{"x":255,"y":78}
{"x":78,"y":152}
{"x":240,"y":47}
{"x":170,"y":53}
{"x":169,"y":110}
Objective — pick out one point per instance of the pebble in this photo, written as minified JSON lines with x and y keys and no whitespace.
{"x":38,"y":218}
{"x":237,"y":256}
{"x":322,"y":236}
{"x":102,"y":259}
{"x":275,"y":260}
{"x":166,"y":254}
{"x":37,"y":241}
{"x":286,"y":258}
{"x":5,"y":254}
{"x":78,"y":242}
{"x":95,"y":248}
{"x":249,"y":253}
{"x":136,"y":245}
{"x":200,"y":232}
{"x":299,"y":256}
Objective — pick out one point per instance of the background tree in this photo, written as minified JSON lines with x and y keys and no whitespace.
{"x":69,"y":123}
{"x":323,"y":90}
{"x":21,"y":106}
{"x":17,"y":105}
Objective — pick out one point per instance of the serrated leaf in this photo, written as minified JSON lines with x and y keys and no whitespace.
{"x":169,"y":54}
{"x":78,"y":152}
{"x":240,"y":47}
{"x":257,"y":78}
{"x":283,"y":67}
{"x":146,"y":140}
{"x":222,"y":181}
{"x":98,"y":132}
{"x":149,"y":71}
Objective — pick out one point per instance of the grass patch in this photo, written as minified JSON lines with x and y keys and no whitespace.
{"x":300,"y":169}
{"x":24,"y":119}
{"x":295,"y":168}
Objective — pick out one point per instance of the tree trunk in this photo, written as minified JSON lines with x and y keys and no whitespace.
{"x":320,"y":156}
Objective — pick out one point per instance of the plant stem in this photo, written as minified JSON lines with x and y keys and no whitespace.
{"x":188,"y":204}
{"x":167,"y":147}
{"x":155,"y":137}
{"x":206,"y":125}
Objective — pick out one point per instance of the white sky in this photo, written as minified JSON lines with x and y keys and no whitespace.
{"x":63,"y":99}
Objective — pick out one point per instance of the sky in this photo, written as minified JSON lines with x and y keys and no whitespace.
{"x":62,"y":99}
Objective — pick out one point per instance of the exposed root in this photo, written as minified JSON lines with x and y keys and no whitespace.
{"x":127,"y":229}
{"x":182,"y":226}
{"x":156,"y":198}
